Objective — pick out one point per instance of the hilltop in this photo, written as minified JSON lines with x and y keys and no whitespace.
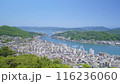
{"x":114,"y":31}
{"x":14,"y":31}
{"x":95,"y":28}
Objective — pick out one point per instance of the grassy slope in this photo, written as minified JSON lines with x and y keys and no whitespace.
{"x":13,"y":31}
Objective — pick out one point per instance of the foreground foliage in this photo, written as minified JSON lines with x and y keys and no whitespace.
{"x":8,"y":59}
{"x":86,"y":65}
{"x":30,"y":61}
{"x":5,"y":51}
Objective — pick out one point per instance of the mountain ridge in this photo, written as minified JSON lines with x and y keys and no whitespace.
{"x":88,"y":28}
{"x":14,"y":31}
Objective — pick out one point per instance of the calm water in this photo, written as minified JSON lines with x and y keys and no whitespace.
{"x":96,"y":47}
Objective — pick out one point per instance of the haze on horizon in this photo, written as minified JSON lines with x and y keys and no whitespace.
{"x":60,"y":13}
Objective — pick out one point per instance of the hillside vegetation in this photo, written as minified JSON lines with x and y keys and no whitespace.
{"x":95,"y":28}
{"x":89,"y":35}
{"x":114,"y":31}
{"x":13,"y":31}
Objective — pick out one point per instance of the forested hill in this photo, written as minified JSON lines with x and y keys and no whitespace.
{"x":95,"y":28}
{"x":14,"y":31}
{"x":89,"y":35}
{"x":114,"y":31}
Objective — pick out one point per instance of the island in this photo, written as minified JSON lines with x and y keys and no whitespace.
{"x":96,"y":37}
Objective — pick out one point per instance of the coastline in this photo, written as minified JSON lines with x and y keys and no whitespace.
{"x":113,"y":43}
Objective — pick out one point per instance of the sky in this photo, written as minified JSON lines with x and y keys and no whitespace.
{"x":60,"y":13}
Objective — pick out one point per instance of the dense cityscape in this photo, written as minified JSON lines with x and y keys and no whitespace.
{"x":70,"y":56}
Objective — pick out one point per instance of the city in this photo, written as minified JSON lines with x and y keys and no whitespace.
{"x":70,"y":56}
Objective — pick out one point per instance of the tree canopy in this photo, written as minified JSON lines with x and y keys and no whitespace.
{"x":29,"y":61}
{"x":90,"y":35}
{"x":14,"y":31}
{"x":6,"y":51}
{"x":8,"y":59}
{"x":86,"y":65}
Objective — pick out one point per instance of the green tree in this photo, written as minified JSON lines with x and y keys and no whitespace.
{"x":5,"y":51}
{"x":29,"y":61}
{"x":57,"y":61}
{"x":9,"y":60}
{"x":86,"y":65}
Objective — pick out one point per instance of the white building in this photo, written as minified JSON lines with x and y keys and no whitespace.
{"x":91,"y":51}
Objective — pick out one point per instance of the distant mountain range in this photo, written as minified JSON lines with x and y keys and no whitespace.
{"x":92,"y":28}
{"x":89,"y":28}
{"x":50,"y":28}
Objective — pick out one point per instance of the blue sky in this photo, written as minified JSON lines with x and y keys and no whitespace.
{"x":60,"y":13}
